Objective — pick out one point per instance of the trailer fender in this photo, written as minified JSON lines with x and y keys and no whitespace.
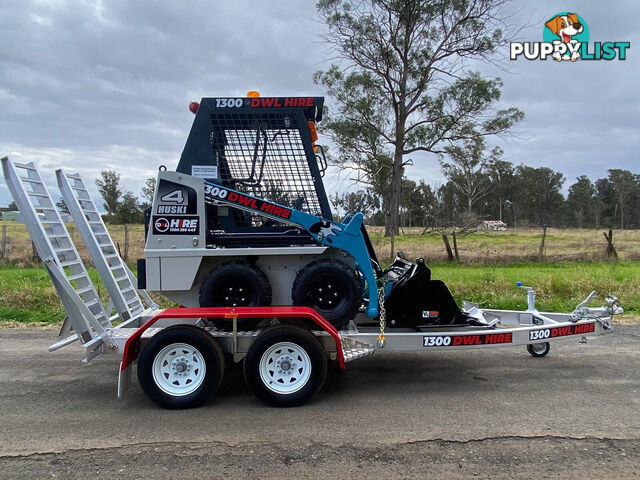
{"x":133,"y":344}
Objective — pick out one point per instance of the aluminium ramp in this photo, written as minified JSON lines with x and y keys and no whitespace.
{"x":53,"y":243}
{"x":114,"y":272}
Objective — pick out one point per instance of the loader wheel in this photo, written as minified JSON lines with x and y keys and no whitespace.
{"x":331,"y":288}
{"x":180,"y":367}
{"x":235,"y":284}
{"x":286,"y":366}
{"x":538,"y":349}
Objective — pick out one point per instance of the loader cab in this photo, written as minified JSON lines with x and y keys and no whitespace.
{"x":262,"y":146}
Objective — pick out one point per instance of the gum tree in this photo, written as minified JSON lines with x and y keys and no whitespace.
{"x":402,"y":81}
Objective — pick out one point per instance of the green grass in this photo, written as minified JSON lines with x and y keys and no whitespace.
{"x":28,"y":297}
{"x":558,"y":286}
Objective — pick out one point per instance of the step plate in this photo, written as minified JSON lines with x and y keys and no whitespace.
{"x":353,"y":349}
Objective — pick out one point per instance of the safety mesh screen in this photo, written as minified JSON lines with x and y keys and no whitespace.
{"x":263,"y":155}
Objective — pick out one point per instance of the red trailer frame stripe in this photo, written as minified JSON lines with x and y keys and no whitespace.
{"x":132,"y":346}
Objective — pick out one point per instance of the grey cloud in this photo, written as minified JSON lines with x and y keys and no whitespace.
{"x":91,"y":85}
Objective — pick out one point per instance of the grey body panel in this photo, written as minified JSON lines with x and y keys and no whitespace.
{"x":177,"y":264}
{"x":181,"y":275}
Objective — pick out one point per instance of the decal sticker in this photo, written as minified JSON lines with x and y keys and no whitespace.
{"x":176,"y":225}
{"x":325,"y":229}
{"x":213,"y":192}
{"x":171,"y":209}
{"x":229,"y":102}
{"x":161,"y":225}
{"x":553,"y":332}
{"x":430,"y":314}
{"x":466,"y":340}
{"x":267,"y":102}
{"x":204,"y":171}
{"x":175,"y":199}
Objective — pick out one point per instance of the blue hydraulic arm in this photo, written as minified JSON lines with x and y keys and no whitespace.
{"x":347,"y":237}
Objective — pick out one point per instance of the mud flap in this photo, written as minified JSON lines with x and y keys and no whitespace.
{"x":124,"y":379}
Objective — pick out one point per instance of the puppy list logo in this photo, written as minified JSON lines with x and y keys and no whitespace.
{"x":566,"y":37}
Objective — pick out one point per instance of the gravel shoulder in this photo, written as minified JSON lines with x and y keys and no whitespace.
{"x":487,"y":413}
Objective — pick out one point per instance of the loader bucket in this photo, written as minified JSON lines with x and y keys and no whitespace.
{"x":417,"y":300}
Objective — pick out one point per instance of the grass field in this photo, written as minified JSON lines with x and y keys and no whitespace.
{"x":28,"y":297}
{"x":574,"y":263}
{"x":511,"y":246}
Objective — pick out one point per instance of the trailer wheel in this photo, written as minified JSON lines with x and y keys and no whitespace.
{"x":286,"y":366}
{"x":235,"y":284}
{"x":180,"y":367}
{"x":538,"y":349}
{"x":331,"y":288}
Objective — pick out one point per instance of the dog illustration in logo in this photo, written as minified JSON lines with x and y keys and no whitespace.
{"x":324,"y":229}
{"x":565,"y":27}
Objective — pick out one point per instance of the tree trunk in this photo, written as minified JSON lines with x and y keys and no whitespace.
{"x":387,"y":220}
{"x":544,"y":237}
{"x":579,"y":216}
{"x":396,"y":186}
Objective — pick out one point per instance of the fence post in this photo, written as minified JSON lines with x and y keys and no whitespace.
{"x":447,"y":246}
{"x":4,"y":241}
{"x":34,"y":253}
{"x":611,"y":250}
{"x":126,"y":241}
{"x":455,"y":246}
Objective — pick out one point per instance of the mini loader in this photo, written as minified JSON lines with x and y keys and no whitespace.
{"x":244,"y":221}
{"x":241,"y":235}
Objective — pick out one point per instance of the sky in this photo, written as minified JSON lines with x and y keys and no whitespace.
{"x":106,"y":84}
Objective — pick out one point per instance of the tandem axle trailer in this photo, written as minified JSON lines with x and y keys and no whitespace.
{"x":180,"y":354}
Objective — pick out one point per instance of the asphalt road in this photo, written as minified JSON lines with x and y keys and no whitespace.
{"x":489,"y":413}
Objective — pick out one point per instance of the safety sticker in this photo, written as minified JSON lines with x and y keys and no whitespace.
{"x":204,"y":171}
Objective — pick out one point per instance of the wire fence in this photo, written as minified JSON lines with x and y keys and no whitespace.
{"x":16,"y":247}
{"x":511,"y":246}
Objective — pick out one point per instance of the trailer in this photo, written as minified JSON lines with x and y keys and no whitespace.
{"x":241,"y":236}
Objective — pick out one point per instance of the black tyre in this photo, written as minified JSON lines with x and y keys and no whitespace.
{"x":180,"y":367}
{"x":538,"y":349}
{"x":235,"y":284}
{"x":331,"y":288}
{"x":286,"y":366}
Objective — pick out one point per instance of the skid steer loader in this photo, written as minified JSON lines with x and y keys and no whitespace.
{"x":245,"y":221}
